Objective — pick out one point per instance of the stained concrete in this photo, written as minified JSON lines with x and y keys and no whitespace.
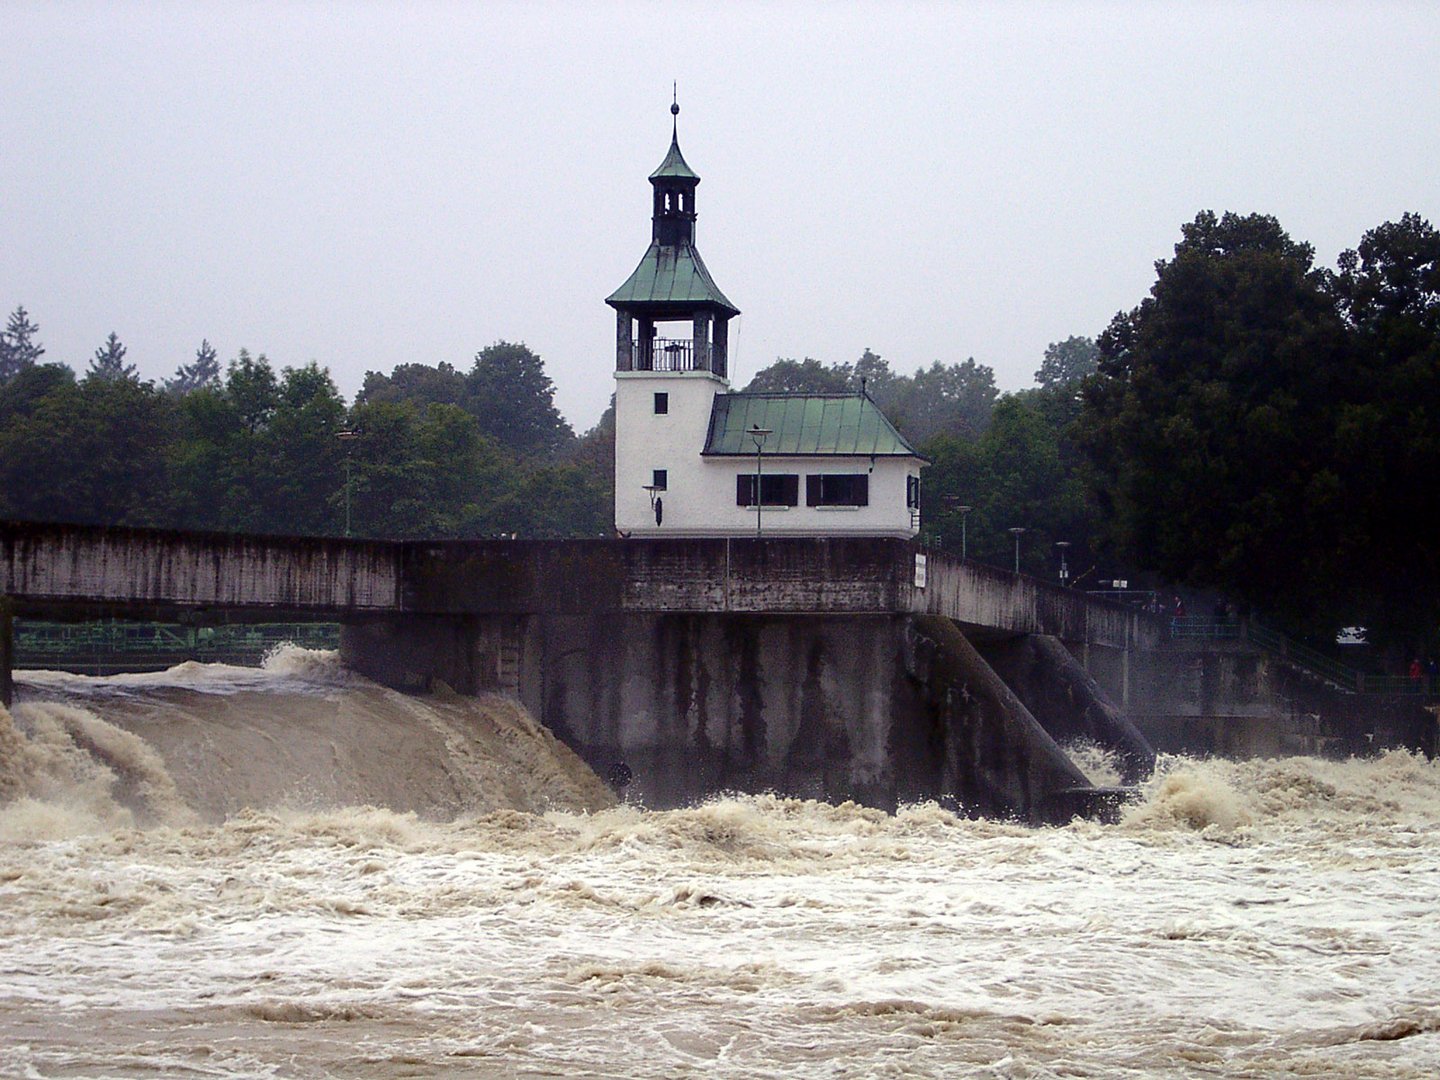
{"x":7,"y":653}
{"x":1232,"y":699}
{"x":820,"y":667}
{"x":1068,"y":703}
{"x":59,"y":571}
{"x":880,"y":709}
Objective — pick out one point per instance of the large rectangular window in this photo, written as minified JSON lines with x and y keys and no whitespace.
{"x":662,"y":403}
{"x":776,"y":489}
{"x":912,"y":492}
{"x":837,"y":489}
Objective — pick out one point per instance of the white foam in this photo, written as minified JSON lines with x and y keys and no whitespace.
{"x":1260,"y":919}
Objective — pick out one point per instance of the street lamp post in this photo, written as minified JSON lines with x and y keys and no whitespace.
{"x":348,"y":437}
{"x":953,"y":505}
{"x":1016,"y":531}
{"x":759,"y":435}
{"x":1063,"y":545}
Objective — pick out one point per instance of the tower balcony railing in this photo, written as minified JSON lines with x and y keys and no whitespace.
{"x":666,"y":354}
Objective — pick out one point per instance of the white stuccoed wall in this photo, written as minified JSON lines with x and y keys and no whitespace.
{"x":645,"y":442}
{"x":700,"y":500}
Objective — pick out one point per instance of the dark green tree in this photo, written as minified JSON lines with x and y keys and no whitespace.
{"x":203,"y":371}
{"x":513,"y":399}
{"x":207,"y":463}
{"x":20,"y":396}
{"x":90,"y":453}
{"x":253,"y":389}
{"x":18,"y":348}
{"x":807,"y":376}
{"x":439,"y":385}
{"x":1068,"y":362}
{"x":302,"y":458}
{"x":873,"y":373}
{"x":109,"y":362}
{"x":1211,"y":421}
{"x":1388,"y":432}
{"x":941,"y":399}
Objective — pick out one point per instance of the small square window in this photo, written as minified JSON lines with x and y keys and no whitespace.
{"x":659,"y":479}
{"x":662,"y":404}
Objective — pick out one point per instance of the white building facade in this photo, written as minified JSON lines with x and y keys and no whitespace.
{"x":694,"y":459}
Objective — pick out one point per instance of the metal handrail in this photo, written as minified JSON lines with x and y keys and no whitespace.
{"x":665,"y":354}
{"x":1203,"y":628}
{"x":112,"y":645}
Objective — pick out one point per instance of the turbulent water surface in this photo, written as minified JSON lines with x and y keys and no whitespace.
{"x":293,"y":872}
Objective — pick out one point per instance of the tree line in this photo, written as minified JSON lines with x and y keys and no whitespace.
{"x":1256,"y":426}
{"x":427,"y":452}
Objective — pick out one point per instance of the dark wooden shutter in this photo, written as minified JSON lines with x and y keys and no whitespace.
{"x":789,"y":490}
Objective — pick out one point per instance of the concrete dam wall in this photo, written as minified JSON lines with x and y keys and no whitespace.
{"x":878,"y":709}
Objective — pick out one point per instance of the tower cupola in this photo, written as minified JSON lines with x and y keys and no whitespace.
{"x":672,"y":285}
{"x":674,"y":183}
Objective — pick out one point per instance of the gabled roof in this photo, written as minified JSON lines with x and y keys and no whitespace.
{"x":803,"y":425}
{"x":671,"y":276}
{"x":674,"y":164}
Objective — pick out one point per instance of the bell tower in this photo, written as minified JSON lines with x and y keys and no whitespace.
{"x":671,"y":359}
{"x":672,"y":285}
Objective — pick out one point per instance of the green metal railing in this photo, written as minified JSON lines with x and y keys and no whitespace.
{"x":1205,"y":628}
{"x":106,"y":647}
{"x":1202,"y":627}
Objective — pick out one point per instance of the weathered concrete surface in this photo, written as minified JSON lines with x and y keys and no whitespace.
{"x":799,"y":664}
{"x":996,"y":758}
{"x":471,"y":654}
{"x":7,"y":652}
{"x":698,"y":704}
{"x":1067,"y":702}
{"x":1232,"y":699}
{"x":67,"y":570}
{"x":60,"y":570}
{"x":876,"y":708}
{"x":793,"y":575}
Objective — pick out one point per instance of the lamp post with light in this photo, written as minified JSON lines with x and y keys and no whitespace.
{"x":758,"y":435}
{"x":348,"y":437}
{"x":1016,"y":531}
{"x":1064,"y":546}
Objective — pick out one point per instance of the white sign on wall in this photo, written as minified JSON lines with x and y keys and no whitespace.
{"x":920,"y":571}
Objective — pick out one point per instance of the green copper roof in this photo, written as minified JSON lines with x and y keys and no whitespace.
{"x":802,"y":425}
{"x":670,"y":276}
{"x":674,"y":164}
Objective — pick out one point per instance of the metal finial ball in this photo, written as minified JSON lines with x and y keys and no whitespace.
{"x":674,"y":108}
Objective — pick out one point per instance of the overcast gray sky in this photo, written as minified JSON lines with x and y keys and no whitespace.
{"x":367,"y":184}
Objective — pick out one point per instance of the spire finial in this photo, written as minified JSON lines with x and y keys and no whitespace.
{"x":674,"y":110}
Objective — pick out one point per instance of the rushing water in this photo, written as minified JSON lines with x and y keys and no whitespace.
{"x":192,"y":884}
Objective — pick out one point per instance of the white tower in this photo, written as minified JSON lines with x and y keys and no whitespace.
{"x":665,"y":385}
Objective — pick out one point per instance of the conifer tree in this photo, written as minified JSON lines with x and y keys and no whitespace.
{"x":203,"y":371}
{"x":109,"y":362}
{"x":18,"y":348}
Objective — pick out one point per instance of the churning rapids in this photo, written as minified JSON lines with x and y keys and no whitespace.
{"x":295,"y":873}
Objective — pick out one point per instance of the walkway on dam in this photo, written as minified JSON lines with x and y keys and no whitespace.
{"x":69,"y":571}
